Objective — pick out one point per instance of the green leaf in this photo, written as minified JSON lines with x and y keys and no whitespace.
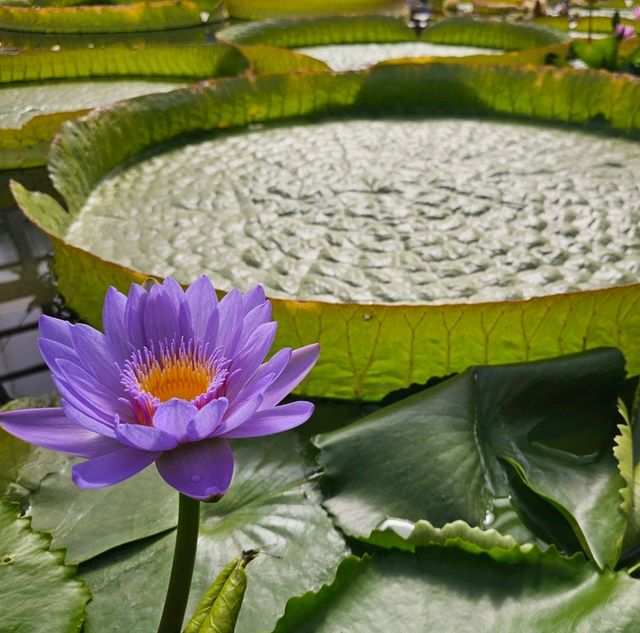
{"x":599,"y":23}
{"x":449,"y":590}
{"x":23,"y":466}
{"x":410,"y":343}
{"x":396,"y":534}
{"x":139,"y":507}
{"x":37,"y":590}
{"x":261,"y":9}
{"x":623,"y":451}
{"x":13,"y":453}
{"x":602,"y":53}
{"x":219,"y":608}
{"x":169,"y":61}
{"x":269,"y":506}
{"x":24,"y":40}
{"x":626,"y":452}
{"x":140,"y":16}
{"x":266,"y":59}
{"x":295,"y":33}
{"x":446,"y":448}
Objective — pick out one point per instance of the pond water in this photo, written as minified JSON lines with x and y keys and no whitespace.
{"x":356,"y":56}
{"x":26,"y":292}
{"x":411,"y":211}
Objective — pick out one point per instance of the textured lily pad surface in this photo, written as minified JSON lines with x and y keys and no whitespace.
{"x":394,"y":211}
{"x":21,"y":103}
{"x":355,"y":56}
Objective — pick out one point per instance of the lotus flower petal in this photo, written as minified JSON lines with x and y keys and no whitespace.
{"x":202,"y":470}
{"x":112,"y":468}
{"x":302,"y":360}
{"x":51,"y":428}
{"x":276,"y":420}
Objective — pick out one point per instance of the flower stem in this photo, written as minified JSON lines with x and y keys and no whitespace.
{"x":184,"y":557}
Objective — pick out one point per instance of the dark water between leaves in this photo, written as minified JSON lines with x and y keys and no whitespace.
{"x":26,"y":292}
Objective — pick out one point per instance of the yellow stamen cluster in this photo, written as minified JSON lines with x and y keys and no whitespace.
{"x":179,"y":376}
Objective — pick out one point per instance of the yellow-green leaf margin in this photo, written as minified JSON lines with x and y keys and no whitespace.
{"x":264,"y":9}
{"x":123,"y":18}
{"x":465,"y":31}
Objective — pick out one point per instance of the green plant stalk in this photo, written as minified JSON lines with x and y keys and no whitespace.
{"x":184,"y":557}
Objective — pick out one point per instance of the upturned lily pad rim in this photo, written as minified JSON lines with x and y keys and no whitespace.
{"x":27,"y":146}
{"x":369,"y":349}
{"x":300,"y":32}
{"x":261,"y":9}
{"x":158,"y":15}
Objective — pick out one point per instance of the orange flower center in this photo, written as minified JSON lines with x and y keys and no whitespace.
{"x":174,"y":370}
{"x":177,"y":377}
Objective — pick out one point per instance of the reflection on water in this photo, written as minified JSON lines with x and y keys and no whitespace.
{"x":25,"y":293}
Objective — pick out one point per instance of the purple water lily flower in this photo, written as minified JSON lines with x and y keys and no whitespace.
{"x":175,"y":375}
{"x":624,"y":32}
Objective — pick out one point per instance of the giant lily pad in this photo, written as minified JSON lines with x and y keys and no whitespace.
{"x":368,"y":347}
{"x":261,"y":9}
{"x":306,"y":32}
{"x":41,"y":89}
{"x":448,"y":589}
{"x":13,"y":41}
{"x":348,"y":42}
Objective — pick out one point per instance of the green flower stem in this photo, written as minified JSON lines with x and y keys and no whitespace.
{"x":184,"y":557}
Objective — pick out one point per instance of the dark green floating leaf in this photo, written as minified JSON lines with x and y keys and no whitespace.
{"x":269,"y":506}
{"x":448,"y":453}
{"x":23,"y":466}
{"x":38,"y":592}
{"x":449,"y":590}
{"x":89,"y":522}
